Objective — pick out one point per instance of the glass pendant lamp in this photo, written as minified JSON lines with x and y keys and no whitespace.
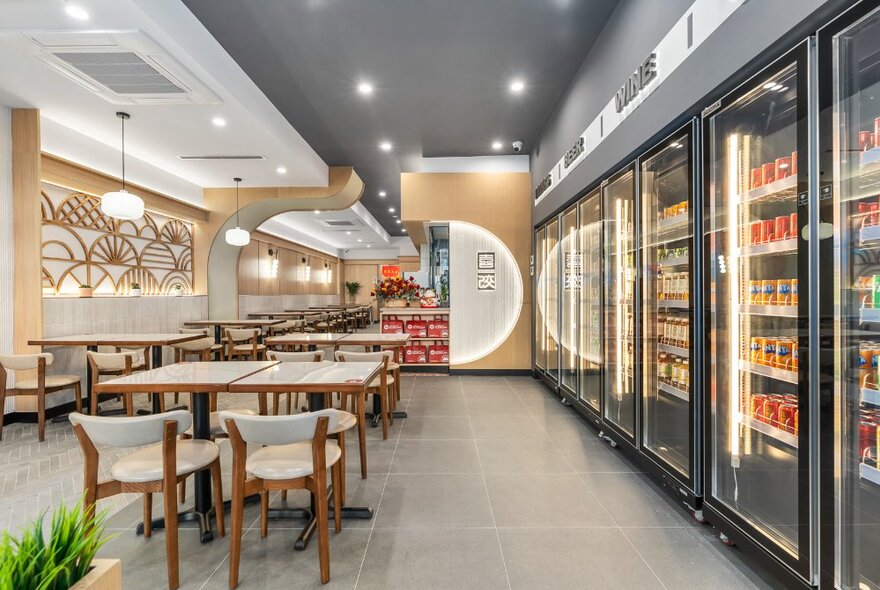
{"x":237,"y":236}
{"x":122,"y":204}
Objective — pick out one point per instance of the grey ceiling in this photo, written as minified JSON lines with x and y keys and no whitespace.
{"x":440,"y":68}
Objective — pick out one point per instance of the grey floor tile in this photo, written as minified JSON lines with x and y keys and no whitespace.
{"x":511,"y":427}
{"x":521,"y":456}
{"x":633,"y":502}
{"x":593,"y":455}
{"x":437,"y":405}
{"x":509,"y":407}
{"x":545,"y":405}
{"x":436,"y":427}
{"x":435,"y":456}
{"x":408,"y":560}
{"x":562,"y":427}
{"x":414,"y":501}
{"x":573,"y":559}
{"x":544,"y":500}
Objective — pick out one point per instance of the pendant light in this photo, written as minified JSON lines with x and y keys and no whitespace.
{"x":237,"y":236}
{"x":122,"y":204}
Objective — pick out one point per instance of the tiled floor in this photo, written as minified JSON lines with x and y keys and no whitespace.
{"x":491,"y":483}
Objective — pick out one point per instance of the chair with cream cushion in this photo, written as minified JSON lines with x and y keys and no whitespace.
{"x":156,"y":468}
{"x":37,"y":386}
{"x":244,"y":342}
{"x":116,"y":364}
{"x":295,"y":454}
{"x":285,"y":327}
{"x":302,"y":357}
{"x":216,"y":348}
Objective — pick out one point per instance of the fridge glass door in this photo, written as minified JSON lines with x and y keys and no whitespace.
{"x":590,"y":388}
{"x":540,"y":297}
{"x":571,"y":277}
{"x":551,"y":303}
{"x":753,"y":319}
{"x":856,"y":153}
{"x":667,"y":306}
{"x":620,"y":285}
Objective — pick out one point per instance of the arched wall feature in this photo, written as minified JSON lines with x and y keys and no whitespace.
{"x":480,"y":319}
{"x":217,"y":276}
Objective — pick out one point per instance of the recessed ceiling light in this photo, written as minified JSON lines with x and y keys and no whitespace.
{"x":317,"y":211}
{"x":281,"y":170}
{"x":368,"y":245}
{"x":385,"y":146}
{"x":517,"y":86}
{"x":404,"y":230}
{"x":348,"y":233}
{"x":365,"y":88}
{"x":497,"y":145}
{"x":398,"y":221}
{"x":219,"y":122}
{"x":360,"y":240}
{"x":391,"y":209}
{"x":77,"y":12}
{"x":382,"y":194}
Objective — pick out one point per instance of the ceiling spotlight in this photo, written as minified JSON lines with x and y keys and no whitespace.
{"x":281,"y":170}
{"x":365,"y":88}
{"x":404,"y":230}
{"x":769,"y":85}
{"x":391,"y":209}
{"x":382,"y":194}
{"x":496,"y":145}
{"x":360,"y":240}
{"x":385,"y":146}
{"x":77,"y":12}
{"x":368,"y":245}
{"x":517,"y":86}
{"x":348,"y":233}
{"x":398,"y":221}
{"x":219,"y":122}
{"x":317,"y":211}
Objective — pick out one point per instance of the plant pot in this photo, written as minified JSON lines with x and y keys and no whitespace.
{"x":106,"y":574}
{"x":395,"y":303}
{"x":135,"y":292}
{"x":83,"y":292}
{"x":176,"y":292}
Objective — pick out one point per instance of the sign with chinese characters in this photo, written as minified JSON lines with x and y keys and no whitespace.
{"x":390,"y":271}
{"x":485,"y":281}
{"x":571,"y":272}
{"x":485,"y":260}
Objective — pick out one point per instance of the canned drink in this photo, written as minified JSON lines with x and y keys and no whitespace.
{"x":757,"y":406}
{"x":756,"y":350}
{"x":866,"y":376}
{"x":783,"y":354}
{"x":794,"y":355}
{"x":768,"y":172}
{"x":796,"y":427}
{"x":794,"y":291}
{"x":783,"y":292}
{"x":783,"y":167}
{"x":792,"y":225}
{"x":756,"y":181}
{"x":875,"y":289}
{"x":873,"y":214}
{"x":755,"y":293}
{"x":866,"y":140}
{"x":794,"y":162}
{"x":755,"y":233}
{"x":768,"y":292}
{"x":771,"y":411}
{"x":767,"y":227}
{"x":867,"y":438}
{"x":769,"y":351}
{"x":781,"y":230}
{"x":786,"y":416}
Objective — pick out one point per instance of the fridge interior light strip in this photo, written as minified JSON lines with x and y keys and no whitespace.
{"x":618,"y":205}
{"x":733,"y":181}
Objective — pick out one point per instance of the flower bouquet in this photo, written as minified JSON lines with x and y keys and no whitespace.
{"x":397,"y":291}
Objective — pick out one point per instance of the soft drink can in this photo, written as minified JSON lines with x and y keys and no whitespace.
{"x":755,"y":295}
{"x":866,"y":376}
{"x":757,"y":408}
{"x":767,"y":227}
{"x":867,"y":438}
{"x":780,"y":229}
{"x":783,"y":354}
{"x":768,"y":172}
{"x":786,"y":416}
{"x":771,"y":411}
{"x":769,"y":351}
{"x":794,"y":355}
{"x":866,"y":140}
{"x":755,"y":233}
{"x":756,"y":350}
{"x":796,"y":428}
{"x":792,"y":225}
{"x":755,"y":178}
{"x":794,"y":291}
{"x":783,"y":167}
{"x":873,"y":214}
{"x":875,"y":288}
{"x":768,"y":292}
{"x":794,"y":162}
{"x":783,"y":292}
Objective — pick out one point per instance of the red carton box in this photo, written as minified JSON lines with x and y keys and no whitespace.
{"x":439,"y":353}
{"x":438,"y":329}
{"x":392,"y":326}
{"x":417,"y":328}
{"x":415,"y":354}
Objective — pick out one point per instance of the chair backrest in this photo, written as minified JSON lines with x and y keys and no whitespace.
{"x":198,"y":345}
{"x":203,"y":331}
{"x":385,"y":357}
{"x":239,"y":334}
{"x":315,"y":356}
{"x":134,"y":431}
{"x":281,"y":430}
{"x":24,"y":362}
{"x":112,"y":361}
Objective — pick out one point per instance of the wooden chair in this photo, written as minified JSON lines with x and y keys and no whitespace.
{"x":115,"y":364}
{"x":303,"y":357}
{"x":216,"y":348}
{"x":157,"y":468}
{"x":37,"y":386}
{"x":295,"y":455}
{"x":244,"y":343}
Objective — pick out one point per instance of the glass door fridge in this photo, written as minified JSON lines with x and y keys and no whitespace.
{"x":540,"y":297}
{"x":756,"y":208}
{"x":569,"y":299}
{"x":850,"y":130}
{"x":590,"y":310}
{"x":667,"y":237}
{"x":619,"y":249}
{"x":551,"y":300}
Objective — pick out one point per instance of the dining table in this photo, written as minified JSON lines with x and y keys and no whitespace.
{"x":91,"y":342}
{"x":289,"y":314}
{"x":232,"y":323}
{"x":378,"y":342}
{"x":311,"y":340}
{"x":200,"y":379}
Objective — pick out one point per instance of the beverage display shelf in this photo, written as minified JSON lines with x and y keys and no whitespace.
{"x":869,"y":314}
{"x":777,"y":433}
{"x":869,"y":159}
{"x":786,"y":311}
{"x":778,"y":247}
{"x":673,"y":391}
{"x":671,"y":224}
{"x":674,"y":303}
{"x":676,"y":350}
{"x":869,"y":235}
{"x":592,"y":357}
{"x":771,"y":372}
{"x":871,"y":396}
{"x":423,"y":338}
{"x":869,"y":473}
{"x":779,"y":190}
{"x":676,"y":261}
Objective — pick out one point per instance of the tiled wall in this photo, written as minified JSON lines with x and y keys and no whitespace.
{"x":65,"y":316}
{"x":257,"y":303}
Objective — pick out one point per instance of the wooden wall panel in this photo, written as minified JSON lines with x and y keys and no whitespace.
{"x":268,"y":283}
{"x":254,"y":269}
{"x":27,"y":219}
{"x":248,"y":272}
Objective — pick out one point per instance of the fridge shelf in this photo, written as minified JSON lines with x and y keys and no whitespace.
{"x":772,"y":372}
{"x":786,"y":311}
{"x":780,"y":190}
{"x":676,"y":261}
{"x":871,"y":396}
{"x":781,"y":435}
{"x":869,"y":159}
{"x":592,"y":357}
{"x":676,"y":350}
{"x":869,"y":314}
{"x":869,"y":235}
{"x":869,"y":473}
{"x":780,"y":247}
{"x":673,"y":391}
{"x":674,"y":303}
{"x":671,"y":224}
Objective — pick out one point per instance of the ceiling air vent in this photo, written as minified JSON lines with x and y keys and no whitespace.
{"x":122,"y":72}
{"x":340,"y":224}
{"x":219,"y":157}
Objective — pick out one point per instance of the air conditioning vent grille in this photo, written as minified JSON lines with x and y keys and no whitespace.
{"x":122,"y":72}
{"x":221,"y":157}
{"x":342,"y":223}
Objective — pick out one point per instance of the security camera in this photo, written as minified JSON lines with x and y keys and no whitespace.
{"x":517,"y":146}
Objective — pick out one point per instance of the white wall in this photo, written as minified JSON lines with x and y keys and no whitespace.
{"x":7,"y":246}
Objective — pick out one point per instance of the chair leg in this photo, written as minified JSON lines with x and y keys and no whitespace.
{"x":320,"y":496}
{"x":181,"y":495}
{"x":237,"y":518}
{"x":276,"y":399}
{"x":171,"y":550}
{"x":284,"y":495}
{"x":77,"y":391}
{"x":93,"y":404}
{"x":217,"y":483}
{"x":340,"y":440}
{"x":2,"y":407}
{"x":264,"y":513}
{"x":148,"y":514}
{"x":41,"y":415}
{"x":362,"y":433}
{"x":383,"y":401}
{"x":337,"y":503}
{"x":128,"y":403}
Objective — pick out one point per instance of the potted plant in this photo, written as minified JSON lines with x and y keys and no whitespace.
{"x":353,"y":288}
{"x":397,"y":291}
{"x":135,"y":290}
{"x":85,"y":290}
{"x":176,"y":290}
{"x":65,"y":560}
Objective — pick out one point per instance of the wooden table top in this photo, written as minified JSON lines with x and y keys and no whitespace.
{"x":306,"y":338}
{"x":283,"y":314}
{"x":368,"y":339}
{"x":307,"y":377}
{"x":115,"y":339}
{"x":232,"y":323}
{"x":200,"y":377}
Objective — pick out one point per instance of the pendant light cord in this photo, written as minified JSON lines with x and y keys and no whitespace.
{"x":237,"y":181}
{"x":123,"y":153}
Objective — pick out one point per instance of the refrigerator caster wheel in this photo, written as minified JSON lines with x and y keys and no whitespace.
{"x":725,"y":539}
{"x":698,"y":516}
{"x":613,"y":444}
{"x":565,"y":401}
